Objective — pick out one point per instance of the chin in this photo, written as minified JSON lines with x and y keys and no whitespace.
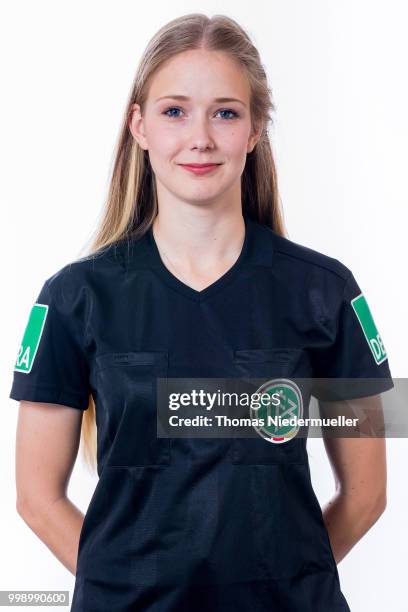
{"x":200,"y":200}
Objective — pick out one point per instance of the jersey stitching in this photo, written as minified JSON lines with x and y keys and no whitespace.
{"x":341,"y":303}
{"x":319,"y":265}
{"x":88,"y":319}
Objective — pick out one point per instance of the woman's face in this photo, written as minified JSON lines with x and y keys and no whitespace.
{"x":198,"y":128}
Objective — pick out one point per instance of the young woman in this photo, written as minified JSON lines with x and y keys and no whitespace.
{"x":191,"y":275}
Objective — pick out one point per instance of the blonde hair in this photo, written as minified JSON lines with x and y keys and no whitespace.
{"x":131,"y":204}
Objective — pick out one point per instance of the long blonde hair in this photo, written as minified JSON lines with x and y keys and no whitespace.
{"x":131,"y":204}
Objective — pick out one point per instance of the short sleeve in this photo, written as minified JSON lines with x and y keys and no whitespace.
{"x":51,"y":364}
{"x":356,"y":353}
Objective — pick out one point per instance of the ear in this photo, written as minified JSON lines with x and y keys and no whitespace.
{"x":254,"y":137}
{"x":136,"y":126}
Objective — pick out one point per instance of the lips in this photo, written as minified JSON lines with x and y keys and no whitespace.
{"x":200,"y":169}
{"x":200,"y":165}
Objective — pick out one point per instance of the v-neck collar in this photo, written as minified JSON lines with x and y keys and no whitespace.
{"x":173,"y":281}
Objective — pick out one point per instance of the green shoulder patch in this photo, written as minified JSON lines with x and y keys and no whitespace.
{"x":369,"y":328}
{"x":31,"y":338}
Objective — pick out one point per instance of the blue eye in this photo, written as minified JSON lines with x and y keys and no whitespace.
{"x":170,"y":109}
{"x":175,"y":108}
{"x":228,"y":110}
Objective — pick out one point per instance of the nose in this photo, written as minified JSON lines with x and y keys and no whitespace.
{"x":200,"y":135}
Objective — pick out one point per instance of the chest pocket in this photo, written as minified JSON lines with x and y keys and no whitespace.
{"x":265,"y":365}
{"x":126,"y":409}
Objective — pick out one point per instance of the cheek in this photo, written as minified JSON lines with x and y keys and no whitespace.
{"x":234,"y":143}
{"x":163,"y":141}
{"x":161,"y":144}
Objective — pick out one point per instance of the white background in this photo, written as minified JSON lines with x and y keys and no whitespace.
{"x":338,"y":76}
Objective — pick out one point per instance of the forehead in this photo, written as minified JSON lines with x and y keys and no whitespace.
{"x":202,"y":74}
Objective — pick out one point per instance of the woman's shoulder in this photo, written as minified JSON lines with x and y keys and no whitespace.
{"x":84,"y":268}
{"x":305,"y":258}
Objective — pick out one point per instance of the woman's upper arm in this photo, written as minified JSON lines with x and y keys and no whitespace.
{"x":47,"y":442}
{"x":359,"y":463}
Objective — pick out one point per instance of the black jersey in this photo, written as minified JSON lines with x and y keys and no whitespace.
{"x":198,"y":525}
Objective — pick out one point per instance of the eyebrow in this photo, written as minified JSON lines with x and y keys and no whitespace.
{"x":186,"y":98}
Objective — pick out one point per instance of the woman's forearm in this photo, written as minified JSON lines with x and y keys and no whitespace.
{"x":347,"y":519}
{"x":58,"y":525}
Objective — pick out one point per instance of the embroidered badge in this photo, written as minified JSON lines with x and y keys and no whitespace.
{"x":280,"y":417}
{"x":369,"y":328}
{"x":31,"y":338}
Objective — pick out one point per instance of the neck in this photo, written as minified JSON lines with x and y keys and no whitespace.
{"x":199,"y":241}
